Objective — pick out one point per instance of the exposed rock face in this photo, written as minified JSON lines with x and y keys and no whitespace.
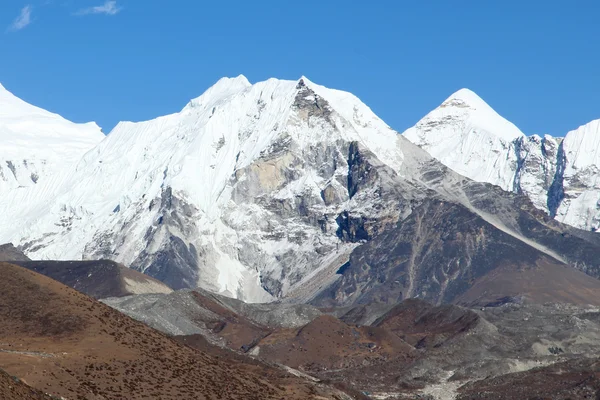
{"x":8,"y":252}
{"x":437,"y":254}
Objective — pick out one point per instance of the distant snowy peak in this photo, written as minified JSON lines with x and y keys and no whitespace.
{"x":13,"y":107}
{"x":467,"y":135}
{"x":579,"y":170}
{"x":560,"y":176}
{"x":36,"y":142}
{"x":21,"y":121}
{"x":468,"y":114}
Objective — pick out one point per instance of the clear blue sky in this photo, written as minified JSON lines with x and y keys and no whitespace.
{"x":536,"y":62}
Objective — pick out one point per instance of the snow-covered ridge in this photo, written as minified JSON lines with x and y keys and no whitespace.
{"x":560,"y":176}
{"x":36,"y":143}
{"x":468,"y":136}
{"x":212,"y":188}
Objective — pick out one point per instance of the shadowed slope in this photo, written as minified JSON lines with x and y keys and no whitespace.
{"x":98,"y":279}
{"x":445,"y":253}
{"x":8,"y":252}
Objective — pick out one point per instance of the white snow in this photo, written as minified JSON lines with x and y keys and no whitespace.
{"x":37,"y":143}
{"x":110,"y":192}
{"x":581,"y":206}
{"x":468,"y":136}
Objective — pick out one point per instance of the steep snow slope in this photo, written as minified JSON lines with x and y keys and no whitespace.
{"x":579,"y":175}
{"x":469,"y":137}
{"x":560,"y":177}
{"x":35,"y":142}
{"x":217,"y":195}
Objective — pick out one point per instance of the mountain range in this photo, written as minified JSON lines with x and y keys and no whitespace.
{"x":279,"y":240}
{"x":289,"y":190}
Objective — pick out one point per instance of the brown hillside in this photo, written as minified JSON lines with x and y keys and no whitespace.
{"x":328,"y":343}
{"x":424,"y":326}
{"x":11,"y":388}
{"x":546,"y":281}
{"x":67,"y":344}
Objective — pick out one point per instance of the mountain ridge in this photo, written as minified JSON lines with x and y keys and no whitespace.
{"x":559,"y":175}
{"x":259,"y":191}
{"x":36,"y":143}
{"x":277,"y":112}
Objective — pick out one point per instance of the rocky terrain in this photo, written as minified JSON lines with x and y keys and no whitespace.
{"x":67,"y":344}
{"x":445,"y":253}
{"x":576,"y":379}
{"x":8,"y":252}
{"x":399,"y":351}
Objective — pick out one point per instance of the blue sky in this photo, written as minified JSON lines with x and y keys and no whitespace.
{"x":536,"y":62}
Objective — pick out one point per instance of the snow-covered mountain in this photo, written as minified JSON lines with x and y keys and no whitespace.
{"x":36,"y":143}
{"x":222,"y":194}
{"x":263,"y":191}
{"x":560,"y":176}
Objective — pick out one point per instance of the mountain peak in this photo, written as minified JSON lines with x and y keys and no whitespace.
{"x":222,"y":89}
{"x":239,"y":80}
{"x":31,"y":133}
{"x":11,"y":106}
{"x":472,"y":104}
{"x":465,"y":110}
{"x":304,"y":81}
{"x":466,"y":134}
{"x":465,"y":97}
{"x":581,"y":148}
